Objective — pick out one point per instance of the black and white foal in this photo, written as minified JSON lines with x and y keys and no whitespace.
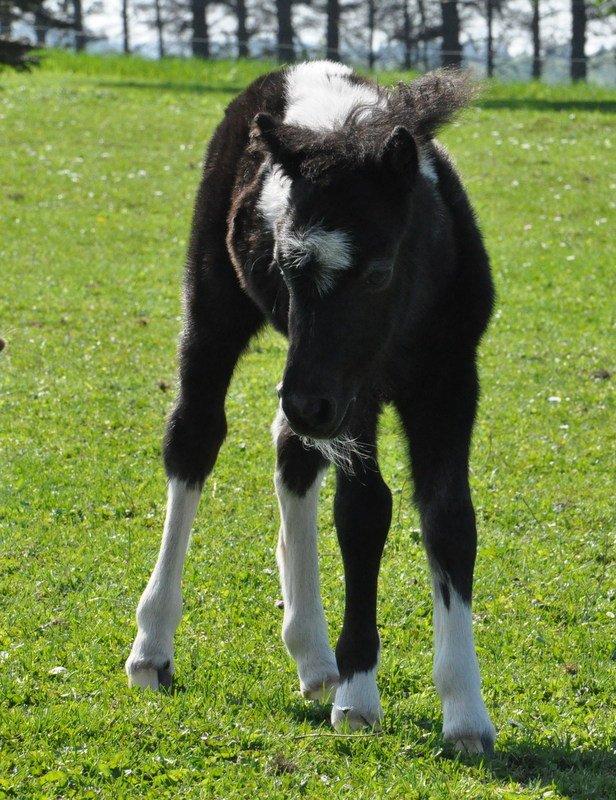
{"x":327,"y":210}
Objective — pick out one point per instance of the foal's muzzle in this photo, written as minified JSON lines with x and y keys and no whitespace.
{"x":310,"y":415}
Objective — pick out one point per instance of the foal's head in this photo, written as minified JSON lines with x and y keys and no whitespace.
{"x":336,"y":243}
{"x":338,"y":230}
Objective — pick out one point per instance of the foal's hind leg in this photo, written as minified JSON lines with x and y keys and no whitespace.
{"x":438,"y":421}
{"x":298,"y":477}
{"x":219,"y":323}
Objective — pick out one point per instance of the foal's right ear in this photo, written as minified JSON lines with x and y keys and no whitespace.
{"x":400,"y":153}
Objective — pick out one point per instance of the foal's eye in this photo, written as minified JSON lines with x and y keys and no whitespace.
{"x":378,"y":276}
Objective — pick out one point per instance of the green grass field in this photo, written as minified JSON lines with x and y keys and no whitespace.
{"x":100,"y":160}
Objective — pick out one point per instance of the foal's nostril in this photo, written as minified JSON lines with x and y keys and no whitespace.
{"x":316,"y":413}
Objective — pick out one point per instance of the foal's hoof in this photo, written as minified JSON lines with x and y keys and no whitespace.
{"x":349,"y":720}
{"x":473,"y":745}
{"x":145,"y":675}
{"x":322,"y":692}
{"x":357,"y":703}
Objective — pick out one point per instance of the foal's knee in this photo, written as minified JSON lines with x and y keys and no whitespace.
{"x":450,"y":537}
{"x":192,"y":441}
{"x":362,"y":512}
{"x":297,"y":466}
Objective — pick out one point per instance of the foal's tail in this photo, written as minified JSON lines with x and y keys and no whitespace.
{"x":432,"y":100}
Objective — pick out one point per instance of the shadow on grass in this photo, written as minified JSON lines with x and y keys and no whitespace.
{"x":537,"y":104}
{"x":312,"y":713}
{"x":173,"y":86}
{"x":577,"y":774}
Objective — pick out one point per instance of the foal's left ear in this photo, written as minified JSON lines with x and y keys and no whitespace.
{"x":400,"y":153}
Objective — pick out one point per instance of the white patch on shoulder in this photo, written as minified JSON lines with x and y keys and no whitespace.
{"x":331,"y":249}
{"x":320,"y":96}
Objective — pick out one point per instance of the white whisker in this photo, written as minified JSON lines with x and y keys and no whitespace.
{"x":340,"y":451}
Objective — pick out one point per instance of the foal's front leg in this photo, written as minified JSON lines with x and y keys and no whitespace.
{"x":150,"y":663}
{"x":299,"y":473}
{"x":362,"y":512}
{"x":219,"y":323}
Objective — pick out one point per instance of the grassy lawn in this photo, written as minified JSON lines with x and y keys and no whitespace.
{"x":100,"y":160}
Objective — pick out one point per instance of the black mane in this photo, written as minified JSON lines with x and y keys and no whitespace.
{"x":421,"y":107}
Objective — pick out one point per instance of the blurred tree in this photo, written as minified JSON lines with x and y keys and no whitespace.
{"x":241,"y":15}
{"x":490,"y":38}
{"x":407,"y":30}
{"x":243,"y":31}
{"x":17,"y":55}
{"x":536,"y":36}
{"x":80,"y":36}
{"x":200,"y":28}
{"x":371,"y":26}
{"x":160,"y":15}
{"x":60,"y":16}
{"x":6,"y":18}
{"x":578,"y":40}
{"x":125,"y":28}
{"x":451,"y":51}
{"x":159,"y":24}
{"x":285,"y":33}
{"x":332,"y":38}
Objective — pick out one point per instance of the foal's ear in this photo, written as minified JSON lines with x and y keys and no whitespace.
{"x":265,"y":125}
{"x":278,"y":138}
{"x":400,"y":153}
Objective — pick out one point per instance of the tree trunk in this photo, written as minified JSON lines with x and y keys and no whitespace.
{"x":125,"y":28}
{"x":536,"y":34}
{"x":286,"y":52}
{"x":80,"y":39}
{"x":333,"y":30}
{"x":490,"y":38}
{"x":200,"y":29}
{"x":242,"y":28}
{"x":421,"y":7}
{"x":41,"y":28}
{"x":407,"y":30}
{"x":371,"y":26}
{"x":6,"y":21}
{"x":578,"y":40}
{"x":451,"y":52}
{"x":159,"y":29}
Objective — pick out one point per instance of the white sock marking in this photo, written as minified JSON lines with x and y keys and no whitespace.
{"x":456,"y":669}
{"x":160,"y":607}
{"x":304,"y":629}
{"x":357,"y":704}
